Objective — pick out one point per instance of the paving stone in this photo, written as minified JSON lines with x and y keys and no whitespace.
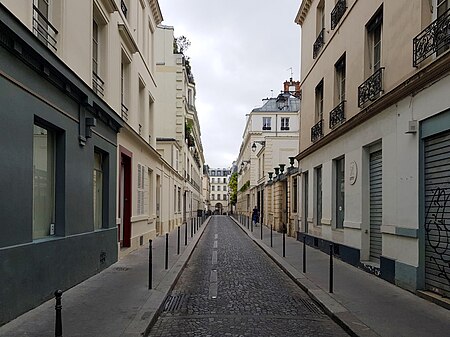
{"x":254,"y":297}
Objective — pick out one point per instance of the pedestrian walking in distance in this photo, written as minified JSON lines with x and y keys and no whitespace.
{"x":255,"y":216}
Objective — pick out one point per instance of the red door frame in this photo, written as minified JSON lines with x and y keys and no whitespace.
{"x":125,"y":159}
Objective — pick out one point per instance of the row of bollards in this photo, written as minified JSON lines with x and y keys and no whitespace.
{"x":195,"y":225}
{"x":244,"y":220}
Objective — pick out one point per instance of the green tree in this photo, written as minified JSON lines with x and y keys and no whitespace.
{"x":233,"y":187}
{"x":181,"y":44}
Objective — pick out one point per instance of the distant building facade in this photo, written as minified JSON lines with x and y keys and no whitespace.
{"x":219,"y":194}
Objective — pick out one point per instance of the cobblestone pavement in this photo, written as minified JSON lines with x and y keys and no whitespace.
{"x":231,"y":288}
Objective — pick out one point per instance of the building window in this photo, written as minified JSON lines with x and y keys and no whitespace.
{"x":212,"y":196}
{"x":320,"y":18}
{"x":442,"y":7}
{"x":267,"y":123}
{"x":218,"y":196}
{"x":98,"y":52}
{"x":318,"y":190}
{"x":319,"y":101}
{"x":374,"y":36}
{"x":224,"y":188}
{"x":141,"y":189}
{"x":224,"y":197}
{"x":218,"y":188}
{"x":213,"y":180}
{"x":213,"y":188}
{"x":294,"y":195}
{"x":42,"y":26}
{"x":98,"y":185}
{"x":44,"y":153}
{"x":339,"y":167}
{"x":339,"y":68}
{"x":179,"y":199}
{"x":284,"y":123}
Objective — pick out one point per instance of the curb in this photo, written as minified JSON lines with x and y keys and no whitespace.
{"x":336,"y":311}
{"x":147,"y":316}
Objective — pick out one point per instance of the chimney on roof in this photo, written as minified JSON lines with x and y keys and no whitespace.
{"x":292,"y":87}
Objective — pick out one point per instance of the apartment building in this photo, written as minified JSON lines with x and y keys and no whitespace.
{"x":270,"y":138}
{"x":374,"y":140}
{"x":178,"y":128}
{"x":58,"y":181}
{"x":219,"y":194}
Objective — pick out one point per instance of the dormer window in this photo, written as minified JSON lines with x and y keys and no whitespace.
{"x":267,"y":123}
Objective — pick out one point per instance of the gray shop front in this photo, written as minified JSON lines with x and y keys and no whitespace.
{"x":58,"y":147}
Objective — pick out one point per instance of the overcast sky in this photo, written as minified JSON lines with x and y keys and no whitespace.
{"x":240,"y":51}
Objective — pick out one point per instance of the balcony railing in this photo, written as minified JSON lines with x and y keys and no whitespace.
{"x":191,"y":107}
{"x":317,"y":131}
{"x":337,"y":115}
{"x":319,"y":43}
{"x":433,"y":39}
{"x":124,"y":112}
{"x":124,"y":8}
{"x":371,"y":89}
{"x":43,"y":29}
{"x":338,"y":12}
{"x":98,"y":85}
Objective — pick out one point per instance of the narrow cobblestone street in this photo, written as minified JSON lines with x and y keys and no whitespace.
{"x":231,"y":288}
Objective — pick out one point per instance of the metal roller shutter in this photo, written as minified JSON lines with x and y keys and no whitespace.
{"x":376,"y":205}
{"x":437,"y":214}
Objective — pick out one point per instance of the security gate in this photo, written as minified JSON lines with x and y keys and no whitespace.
{"x":437,"y":213}
{"x":376,"y":205}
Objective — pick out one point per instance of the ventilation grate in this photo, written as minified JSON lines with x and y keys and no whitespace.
{"x":174,"y":302}
{"x":308,"y":303}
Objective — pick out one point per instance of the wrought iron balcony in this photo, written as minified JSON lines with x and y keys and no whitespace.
{"x":98,"y":85}
{"x":433,"y":39}
{"x":124,"y":112}
{"x":371,"y":89}
{"x":338,"y":12}
{"x":319,"y":43}
{"x":317,"y":131}
{"x":337,"y":115}
{"x":124,"y":8}
{"x":43,"y":29}
{"x":191,"y":107}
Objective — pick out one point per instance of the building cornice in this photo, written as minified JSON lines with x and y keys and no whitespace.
{"x":127,"y":38}
{"x":303,"y":11}
{"x":156,"y":11}
{"x":420,"y":80}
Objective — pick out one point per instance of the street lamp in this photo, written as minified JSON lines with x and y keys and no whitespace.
{"x":262,"y":142}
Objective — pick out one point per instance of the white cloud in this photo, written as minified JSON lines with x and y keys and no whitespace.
{"x":240,"y":51}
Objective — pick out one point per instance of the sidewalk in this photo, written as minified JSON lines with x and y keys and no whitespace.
{"x":363,"y":304}
{"x":115,"y":302}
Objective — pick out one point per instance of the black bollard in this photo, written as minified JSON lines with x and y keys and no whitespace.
{"x":185,"y":233}
{"x":192,"y":228}
{"x":271,"y":236}
{"x":304,"y":253}
{"x":284,"y":243}
{"x":251,"y":224}
{"x":331,"y":268}
{"x":178,"y":241}
{"x":193,"y":224}
{"x":261,"y":225}
{"x":58,"y":308}
{"x":150,"y":264}
{"x":167,"y":252}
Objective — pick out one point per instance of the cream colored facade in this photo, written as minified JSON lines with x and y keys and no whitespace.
{"x":270,"y":138}
{"x":178,"y":128}
{"x":111,"y":47}
{"x":371,"y":104}
{"x":219,"y":193}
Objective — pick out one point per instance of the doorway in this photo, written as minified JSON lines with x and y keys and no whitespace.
{"x":124,"y":232}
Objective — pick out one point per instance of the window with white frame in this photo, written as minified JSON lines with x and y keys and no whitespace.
{"x":141,"y":189}
{"x":267,"y":123}
{"x":319,"y":101}
{"x":284,"y":123}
